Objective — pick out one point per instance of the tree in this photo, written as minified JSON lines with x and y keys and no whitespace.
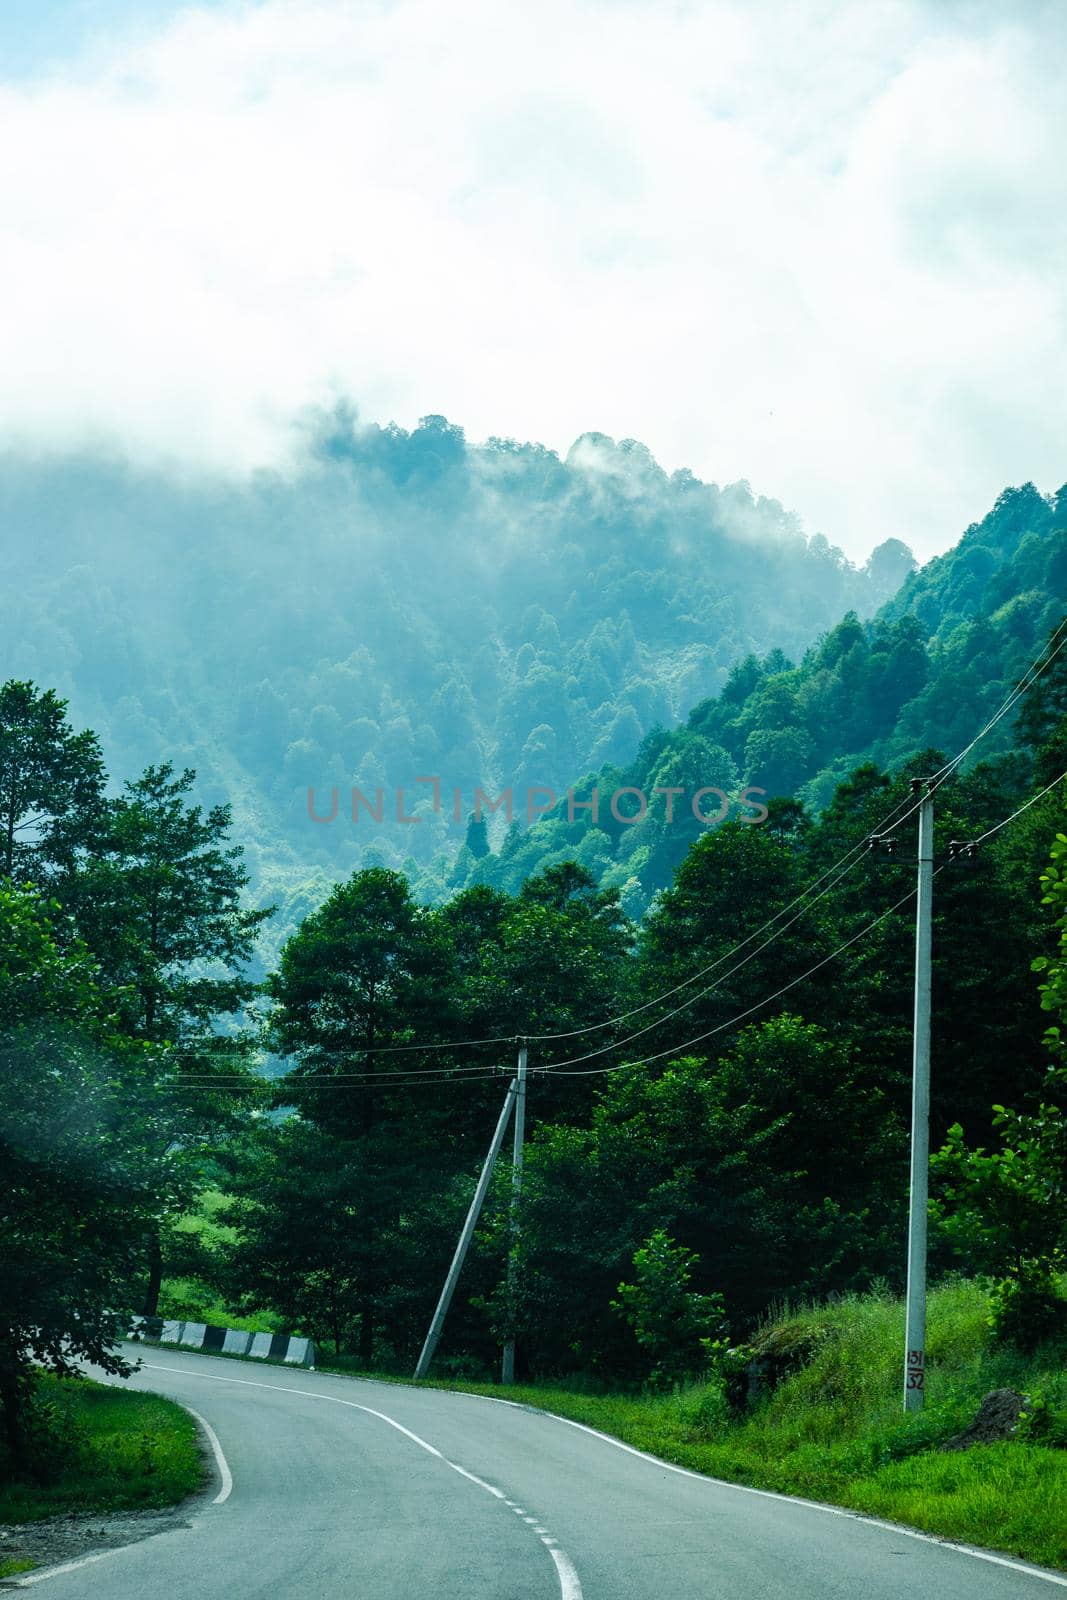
{"x":477,"y":840}
{"x":561,"y":962}
{"x":779,"y":1163}
{"x":671,"y":1322}
{"x":51,"y":781}
{"x":83,"y":1149}
{"x":159,"y":902}
{"x":1005,"y":1211}
{"x":365,"y":973}
{"x":1042,"y":720}
{"x":732,"y":881}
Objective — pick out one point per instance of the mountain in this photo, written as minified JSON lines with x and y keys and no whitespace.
{"x":927,"y":671}
{"x":403,"y":604}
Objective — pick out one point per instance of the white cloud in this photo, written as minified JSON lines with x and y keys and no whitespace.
{"x":819,"y":246}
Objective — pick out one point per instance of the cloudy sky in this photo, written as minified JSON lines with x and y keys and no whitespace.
{"x":819,"y":245}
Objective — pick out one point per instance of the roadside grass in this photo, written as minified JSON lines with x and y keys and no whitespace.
{"x":103,"y":1449}
{"x":834,"y":1429}
{"x":189,"y":1298}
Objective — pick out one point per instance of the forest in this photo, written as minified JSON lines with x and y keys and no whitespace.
{"x":719,"y":1068}
{"x":928,"y":668}
{"x":406,"y":603}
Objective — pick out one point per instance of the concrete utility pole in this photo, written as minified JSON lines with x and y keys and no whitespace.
{"x":507,"y":1365}
{"x":915,"y":1337}
{"x":465,"y":1237}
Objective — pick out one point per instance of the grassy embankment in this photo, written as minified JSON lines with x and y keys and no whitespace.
{"x":834,"y":1430}
{"x":191,"y":1300}
{"x":98,"y":1448}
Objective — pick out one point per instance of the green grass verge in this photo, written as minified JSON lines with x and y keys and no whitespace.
{"x":835,"y":1431}
{"x":107,"y":1449}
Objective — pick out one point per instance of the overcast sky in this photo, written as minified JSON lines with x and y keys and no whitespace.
{"x":818,"y":245}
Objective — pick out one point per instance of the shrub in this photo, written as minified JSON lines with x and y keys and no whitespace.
{"x":1027,"y":1309}
{"x":672,"y":1324}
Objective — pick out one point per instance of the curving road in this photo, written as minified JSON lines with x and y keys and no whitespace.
{"x":329,"y":1488}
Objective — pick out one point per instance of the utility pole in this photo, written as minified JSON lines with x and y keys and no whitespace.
{"x":915,"y":1336}
{"x":507,"y":1365}
{"x":466,"y":1235}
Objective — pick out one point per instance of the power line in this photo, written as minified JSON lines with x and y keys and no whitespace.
{"x":1027,"y":681}
{"x":741,"y":1015}
{"x":845,"y":863}
{"x":1031,"y":802}
{"x":617,"y":1044}
{"x":1033,"y":672}
{"x":733,"y":1021}
{"x":339,"y":1079}
{"x":414,"y":1076}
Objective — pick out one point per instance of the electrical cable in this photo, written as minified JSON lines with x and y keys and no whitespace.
{"x":846,"y":863}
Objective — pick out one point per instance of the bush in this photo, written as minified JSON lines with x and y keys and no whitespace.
{"x":709,"y":1414}
{"x":780,"y":1348}
{"x":50,"y":1435}
{"x":1027,"y":1309}
{"x":673,"y":1325}
{"x":1042,"y":1423}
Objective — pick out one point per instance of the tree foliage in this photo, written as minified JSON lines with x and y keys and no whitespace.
{"x":83,"y":1151}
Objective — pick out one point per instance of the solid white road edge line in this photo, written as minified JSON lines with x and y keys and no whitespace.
{"x":791,"y":1499}
{"x":766,"y":1494}
{"x":220,"y":1460}
{"x":101,"y":1555}
{"x":570,"y":1587}
{"x":67,"y":1566}
{"x":704,"y":1477}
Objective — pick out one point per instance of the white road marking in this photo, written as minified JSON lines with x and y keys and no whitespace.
{"x":101,"y":1555}
{"x":68,"y":1566}
{"x":792,"y":1499}
{"x":220,"y":1459}
{"x":488,"y":1487}
{"x":570,"y":1587}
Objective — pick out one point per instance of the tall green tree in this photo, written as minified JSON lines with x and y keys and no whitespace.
{"x":365,"y":973}
{"x":160,"y":902}
{"x":51,"y":782}
{"x":1042,"y":719}
{"x":84,"y":1151}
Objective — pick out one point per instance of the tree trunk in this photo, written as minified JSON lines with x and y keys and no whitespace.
{"x":366,"y":1330}
{"x":12,"y":1397}
{"x":155,"y":1276}
{"x":9,"y":854}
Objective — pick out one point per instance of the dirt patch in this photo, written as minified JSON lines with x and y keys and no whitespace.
{"x":68,"y":1537}
{"x":998,"y":1418}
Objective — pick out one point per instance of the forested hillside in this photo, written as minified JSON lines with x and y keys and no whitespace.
{"x":927,"y":670}
{"x":719,"y":1090}
{"x":407,"y":604}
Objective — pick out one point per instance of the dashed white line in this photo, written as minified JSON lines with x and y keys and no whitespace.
{"x":794,"y":1500}
{"x":569,"y":1584}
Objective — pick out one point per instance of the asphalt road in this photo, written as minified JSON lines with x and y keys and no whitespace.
{"x":329,"y":1488}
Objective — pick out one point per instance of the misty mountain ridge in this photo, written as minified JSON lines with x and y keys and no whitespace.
{"x":928,"y":670}
{"x":406,"y":603}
